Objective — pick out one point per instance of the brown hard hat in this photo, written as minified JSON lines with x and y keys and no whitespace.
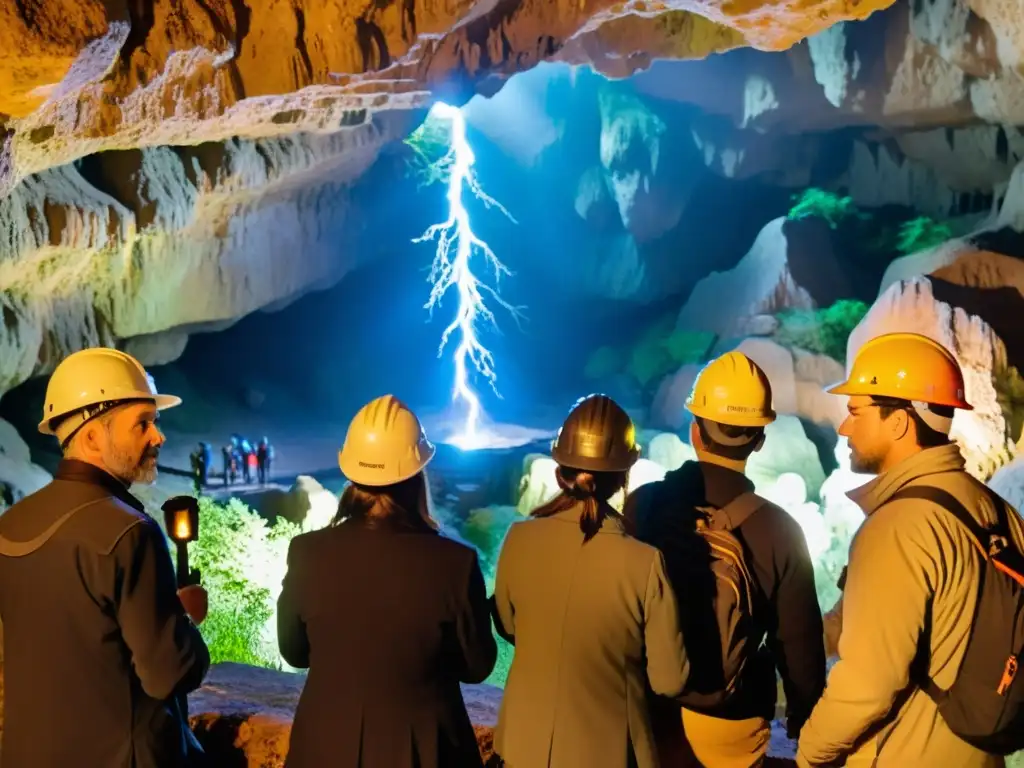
{"x":597,"y":436}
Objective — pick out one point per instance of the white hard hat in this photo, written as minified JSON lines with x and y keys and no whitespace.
{"x":92,"y":377}
{"x":385,"y":444}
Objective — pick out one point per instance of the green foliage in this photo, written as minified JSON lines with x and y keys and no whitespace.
{"x":242,"y":560}
{"x":604,"y":362}
{"x":920,"y":234}
{"x":824,"y":331}
{"x":659,"y":351}
{"x":485,"y":529}
{"x":826,"y":205}
{"x":430,"y":145}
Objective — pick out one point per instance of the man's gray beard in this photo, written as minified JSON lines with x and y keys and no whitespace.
{"x":145,"y":473}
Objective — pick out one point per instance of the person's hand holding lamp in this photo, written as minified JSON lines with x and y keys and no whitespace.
{"x":181,"y":518}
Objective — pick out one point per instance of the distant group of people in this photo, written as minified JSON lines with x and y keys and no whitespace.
{"x":241,"y":460}
{"x":651,"y":637}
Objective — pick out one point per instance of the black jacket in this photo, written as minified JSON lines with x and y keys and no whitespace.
{"x":98,"y":651}
{"x":389,"y":620}
{"x":788,"y":609}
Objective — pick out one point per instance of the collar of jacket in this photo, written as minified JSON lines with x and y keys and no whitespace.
{"x":930,"y":461}
{"x":612,"y":522}
{"x":711,"y":484}
{"x":82,"y":472}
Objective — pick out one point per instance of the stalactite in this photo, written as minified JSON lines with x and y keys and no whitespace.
{"x":80,"y":268}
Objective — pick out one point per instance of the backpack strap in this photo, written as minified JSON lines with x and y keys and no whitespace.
{"x":9,"y":548}
{"x":953,"y":506}
{"x":982,"y":536}
{"x":734,"y":514}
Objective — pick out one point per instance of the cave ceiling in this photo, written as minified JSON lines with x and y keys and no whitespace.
{"x":81,"y":76}
{"x":212,"y":144}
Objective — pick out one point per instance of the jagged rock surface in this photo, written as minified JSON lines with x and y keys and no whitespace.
{"x":18,"y":475}
{"x":762,"y":283}
{"x":81,"y":78}
{"x":928,"y":75}
{"x":155,"y":243}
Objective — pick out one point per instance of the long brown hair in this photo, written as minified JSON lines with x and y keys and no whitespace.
{"x":590,"y":491}
{"x":406,"y":504}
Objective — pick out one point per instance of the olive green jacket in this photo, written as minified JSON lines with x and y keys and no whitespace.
{"x":591,"y":623}
{"x":908,"y":559}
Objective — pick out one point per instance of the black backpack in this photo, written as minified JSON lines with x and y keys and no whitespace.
{"x":985,"y":705}
{"x":703,"y":554}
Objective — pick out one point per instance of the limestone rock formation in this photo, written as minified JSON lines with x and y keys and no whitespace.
{"x":787,"y":449}
{"x":109,"y":249}
{"x":84,"y":78}
{"x":993,"y":386}
{"x":928,"y":75}
{"x":762,"y":283}
{"x":632,"y":156}
{"x":1008,"y":482}
{"x":18,"y":475}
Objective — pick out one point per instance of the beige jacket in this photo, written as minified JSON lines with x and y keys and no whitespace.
{"x":591,"y":623}
{"x":906,"y":556}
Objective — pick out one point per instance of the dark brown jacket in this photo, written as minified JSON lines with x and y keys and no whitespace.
{"x":388,"y":620}
{"x":98,"y":650}
{"x":787,"y":611}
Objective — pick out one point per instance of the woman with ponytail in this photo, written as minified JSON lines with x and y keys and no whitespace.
{"x":589,"y":610}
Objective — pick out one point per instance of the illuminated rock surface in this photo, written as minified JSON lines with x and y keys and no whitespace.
{"x":18,"y":475}
{"x":239,"y":129}
{"x":243,"y":716}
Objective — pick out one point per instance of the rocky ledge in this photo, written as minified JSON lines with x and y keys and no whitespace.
{"x":243,"y":716}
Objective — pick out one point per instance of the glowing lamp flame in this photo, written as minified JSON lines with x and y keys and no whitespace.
{"x":182,"y":526}
{"x":452,"y":267}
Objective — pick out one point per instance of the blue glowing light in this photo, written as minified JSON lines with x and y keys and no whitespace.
{"x":452,"y":267}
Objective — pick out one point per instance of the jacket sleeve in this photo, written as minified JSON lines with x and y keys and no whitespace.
{"x":292,"y":639}
{"x":168,"y":653}
{"x":889,"y":585}
{"x":502,"y":609}
{"x":798,"y":640}
{"x":668,"y":666}
{"x":473,"y":627}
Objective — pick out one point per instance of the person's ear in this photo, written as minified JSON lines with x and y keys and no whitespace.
{"x":695,"y":440}
{"x":898,"y":425}
{"x":760,"y":443}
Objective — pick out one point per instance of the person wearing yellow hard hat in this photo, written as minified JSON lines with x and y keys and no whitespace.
{"x":912,"y":585}
{"x":95,"y":636}
{"x":589,"y":610}
{"x":735,"y":648}
{"x":388,"y":615}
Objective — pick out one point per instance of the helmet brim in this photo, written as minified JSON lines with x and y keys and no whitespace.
{"x":733,"y":420}
{"x":162,"y":402}
{"x":353,"y":475}
{"x":851,"y":389}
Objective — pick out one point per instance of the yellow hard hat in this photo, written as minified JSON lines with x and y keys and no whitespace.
{"x":93,"y":377}
{"x":732,"y":389}
{"x":906,"y":366}
{"x":385,"y":444}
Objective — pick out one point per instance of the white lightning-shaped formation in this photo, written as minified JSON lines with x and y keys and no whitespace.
{"x":456,"y":245}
